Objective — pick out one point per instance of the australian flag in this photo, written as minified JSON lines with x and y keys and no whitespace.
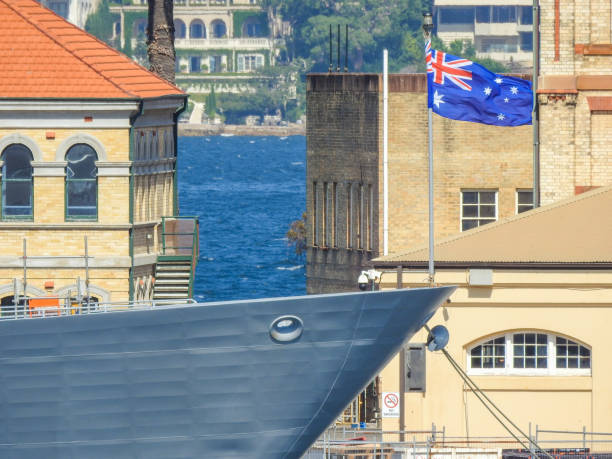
{"x":460,"y":89}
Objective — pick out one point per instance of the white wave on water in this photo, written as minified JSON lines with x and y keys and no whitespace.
{"x":283,"y":138}
{"x":207,"y":139}
{"x":251,"y":141}
{"x":227,"y":135}
{"x":289,"y":268}
{"x":297,"y":163}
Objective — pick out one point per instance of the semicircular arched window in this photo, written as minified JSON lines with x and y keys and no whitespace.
{"x":197,"y":29}
{"x":219,"y":29}
{"x":180,"y":30}
{"x":81,"y":183}
{"x":529,"y":353}
{"x":17,"y":183}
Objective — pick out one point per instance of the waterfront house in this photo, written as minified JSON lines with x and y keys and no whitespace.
{"x":88,"y":155}
{"x":218,"y":43}
{"x":501,"y":30}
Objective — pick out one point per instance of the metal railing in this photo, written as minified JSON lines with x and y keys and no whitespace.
{"x":340,"y":442}
{"x":26,"y":308}
{"x":180,"y":236}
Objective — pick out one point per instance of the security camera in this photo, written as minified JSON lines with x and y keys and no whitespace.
{"x":363,"y":281}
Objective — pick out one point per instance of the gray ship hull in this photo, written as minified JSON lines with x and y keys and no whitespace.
{"x":198,"y":381}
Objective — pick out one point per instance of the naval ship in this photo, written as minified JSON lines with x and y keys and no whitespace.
{"x":243,"y":379}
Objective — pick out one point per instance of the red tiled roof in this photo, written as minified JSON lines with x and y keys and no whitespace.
{"x":44,"y":56}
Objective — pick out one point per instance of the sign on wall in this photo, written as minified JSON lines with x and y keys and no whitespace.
{"x":390,"y":405}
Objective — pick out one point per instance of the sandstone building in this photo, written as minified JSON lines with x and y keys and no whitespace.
{"x":482,"y":173}
{"x":88,"y":154}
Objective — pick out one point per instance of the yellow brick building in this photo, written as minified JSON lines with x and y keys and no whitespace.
{"x":346,"y":180}
{"x":88,"y":155}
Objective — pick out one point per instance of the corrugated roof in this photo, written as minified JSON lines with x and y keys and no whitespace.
{"x":44,"y":56}
{"x":577,"y":230}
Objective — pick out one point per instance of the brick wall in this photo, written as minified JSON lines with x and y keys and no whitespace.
{"x":113,"y":281}
{"x":49,"y":235}
{"x":466,"y":156}
{"x":574,"y":138}
{"x":341,"y":149}
{"x":344,"y":146}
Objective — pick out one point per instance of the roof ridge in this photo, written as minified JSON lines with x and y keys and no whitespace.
{"x":47,"y":11}
{"x":524,"y":215}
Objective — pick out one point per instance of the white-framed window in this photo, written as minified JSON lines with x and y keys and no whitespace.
{"x":478,"y":207}
{"x":529,"y":353}
{"x":524,"y":200}
{"x":250,"y":62}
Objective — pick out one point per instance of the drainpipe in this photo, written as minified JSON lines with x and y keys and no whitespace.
{"x":131,"y":198}
{"x":385,"y":153}
{"x":175,"y":207}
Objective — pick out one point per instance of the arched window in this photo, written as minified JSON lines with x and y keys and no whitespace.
{"x":529,"y":352}
{"x":180,"y":30}
{"x":197,"y":29}
{"x":17,"y":182}
{"x":219,"y":30}
{"x":81,"y":183}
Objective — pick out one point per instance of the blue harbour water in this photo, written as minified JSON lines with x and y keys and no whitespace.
{"x":246,"y":191}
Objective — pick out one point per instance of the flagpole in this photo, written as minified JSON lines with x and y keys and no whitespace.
{"x":427,"y":28}
{"x":535,"y":116}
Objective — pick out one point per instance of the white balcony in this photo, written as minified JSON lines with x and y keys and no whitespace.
{"x":237,"y":44}
{"x":503,"y":29}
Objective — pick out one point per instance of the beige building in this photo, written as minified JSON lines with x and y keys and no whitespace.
{"x":529,"y":323}
{"x":88,"y":155}
{"x":498,"y":29}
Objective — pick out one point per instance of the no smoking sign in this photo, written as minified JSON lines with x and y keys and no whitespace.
{"x":390,"y":405}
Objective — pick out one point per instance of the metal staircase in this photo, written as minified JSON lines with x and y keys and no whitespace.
{"x":175,"y":268}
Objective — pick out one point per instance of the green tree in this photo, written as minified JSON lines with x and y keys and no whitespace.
{"x":100,"y":23}
{"x":140,"y":53}
{"x":211,"y":103}
{"x":465,"y":48}
{"x":296,"y":235}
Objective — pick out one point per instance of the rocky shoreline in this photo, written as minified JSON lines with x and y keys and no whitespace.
{"x":185,"y":129}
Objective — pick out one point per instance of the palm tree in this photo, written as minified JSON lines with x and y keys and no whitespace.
{"x":160,"y":39}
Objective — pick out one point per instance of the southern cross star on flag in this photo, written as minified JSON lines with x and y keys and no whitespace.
{"x":460,"y":89}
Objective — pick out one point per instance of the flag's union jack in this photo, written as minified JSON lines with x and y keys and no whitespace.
{"x":441,"y":68}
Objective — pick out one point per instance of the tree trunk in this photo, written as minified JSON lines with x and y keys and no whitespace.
{"x":160,"y":39}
